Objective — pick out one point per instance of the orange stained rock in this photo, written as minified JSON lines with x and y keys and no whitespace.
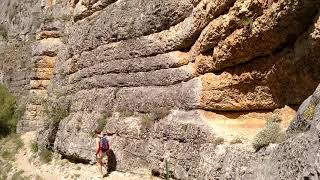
{"x":243,"y":125}
{"x":45,"y":62}
{"x":50,"y":3}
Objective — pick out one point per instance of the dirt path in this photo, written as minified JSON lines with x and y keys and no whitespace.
{"x":28,"y":166}
{"x":62,"y":169}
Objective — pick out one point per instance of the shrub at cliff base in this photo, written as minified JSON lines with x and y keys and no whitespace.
{"x":45,"y":155}
{"x":9,"y":112}
{"x":9,"y":147}
{"x":271,"y":133}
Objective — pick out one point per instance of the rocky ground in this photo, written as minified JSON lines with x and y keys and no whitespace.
{"x":189,"y":82}
{"x":60,"y":169}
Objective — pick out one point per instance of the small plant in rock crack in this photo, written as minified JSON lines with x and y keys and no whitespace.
{"x":125,"y":112}
{"x":102,"y":122}
{"x":309,"y":111}
{"x":167,"y":170}
{"x":48,"y":18}
{"x":147,"y":120}
{"x":34,"y":147}
{"x":66,"y":17}
{"x":160,"y":113}
{"x":245,"y":21}
{"x":3,"y":33}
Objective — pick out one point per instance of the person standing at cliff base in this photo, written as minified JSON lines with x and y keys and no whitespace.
{"x":102,"y":150}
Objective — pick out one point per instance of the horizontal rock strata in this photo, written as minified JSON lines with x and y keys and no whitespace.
{"x":149,"y":72}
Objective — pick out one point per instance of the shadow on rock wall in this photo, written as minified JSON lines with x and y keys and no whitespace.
{"x":112,"y":162}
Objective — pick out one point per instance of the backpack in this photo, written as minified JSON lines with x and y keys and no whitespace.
{"x":104,"y":144}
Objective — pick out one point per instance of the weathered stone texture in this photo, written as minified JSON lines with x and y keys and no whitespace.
{"x":162,"y":63}
{"x":127,"y":19}
{"x":190,"y":62}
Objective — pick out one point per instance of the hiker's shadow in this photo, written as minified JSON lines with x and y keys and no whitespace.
{"x":112,"y":162}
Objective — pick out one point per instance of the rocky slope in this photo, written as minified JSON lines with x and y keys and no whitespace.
{"x":159,"y":76}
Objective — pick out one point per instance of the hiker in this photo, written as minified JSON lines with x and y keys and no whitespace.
{"x":102,"y":150}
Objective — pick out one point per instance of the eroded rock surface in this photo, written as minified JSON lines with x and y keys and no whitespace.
{"x":149,"y":71}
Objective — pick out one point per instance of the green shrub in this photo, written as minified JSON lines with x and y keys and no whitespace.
{"x":34,"y":147}
{"x":147,"y":120}
{"x":3,"y":33}
{"x":271,"y":133}
{"x":219,"y":140}
{"x":19,"y":176}
{"x":245,"y":21}
{"x":9,"y":112}
{"x":57,"y":111}
{"x":45,"y":155}
{"x":5,"y":154}
{"x":48,"y":18}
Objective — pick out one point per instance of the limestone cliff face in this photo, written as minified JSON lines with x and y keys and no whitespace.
{"x":174,"y":59}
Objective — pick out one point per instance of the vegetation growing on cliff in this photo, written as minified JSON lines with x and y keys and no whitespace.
{"x":271,"y":133}
{"x":3,"y":33}
{"x":309,"y":112}
{"x":102,"y":122}
{"x":125,"y":112}
{"x":57,"y":110}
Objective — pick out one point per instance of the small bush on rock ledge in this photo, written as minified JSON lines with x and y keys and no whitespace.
{"x":271,"y":133}
{"x":147,"y":120}
{"x":160,"y":113}
{"x":34,"y":147}
{"x":3,"y":33}
{"x":57,"y":111}
{"x":125,"y":113}
{"x":309,"y":112}
{"x":102,"y":122}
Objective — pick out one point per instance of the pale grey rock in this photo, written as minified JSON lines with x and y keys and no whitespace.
{"x":109,"y":58}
